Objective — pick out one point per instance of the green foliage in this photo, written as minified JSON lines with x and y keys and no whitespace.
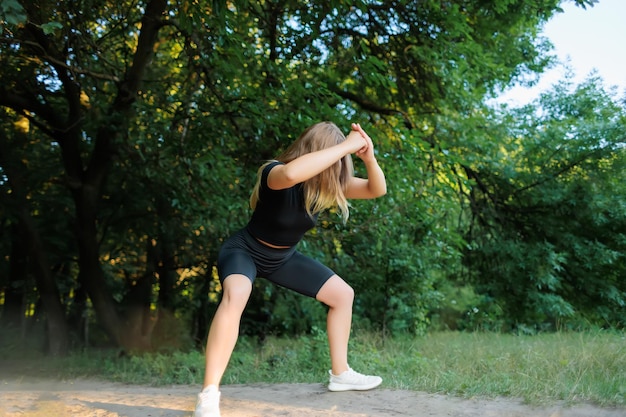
{"x":572,"y":367}
{"x":11,"y":12}
{"x":538,"y":368}
{"x":157,"y":369}
{"x":549,"y":246}
{"x":131,"y":136}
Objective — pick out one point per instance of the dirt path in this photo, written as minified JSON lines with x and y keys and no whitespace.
{"x":93,"y":398}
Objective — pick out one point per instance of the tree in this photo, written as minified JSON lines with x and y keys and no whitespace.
{"x":54,"y":97}
{"x":548,"y":237}
{"x":154,"y":116}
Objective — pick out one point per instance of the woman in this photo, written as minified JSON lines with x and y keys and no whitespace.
{"x":315,"y":173}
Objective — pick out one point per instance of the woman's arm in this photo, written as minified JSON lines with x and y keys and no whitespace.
{"x":375,"y":185}
{"x":309,"y":165}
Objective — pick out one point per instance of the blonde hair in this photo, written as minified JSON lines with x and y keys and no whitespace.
{"x":327,"y":189}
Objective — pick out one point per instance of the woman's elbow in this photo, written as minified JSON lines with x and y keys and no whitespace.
{"x":379,"y":191}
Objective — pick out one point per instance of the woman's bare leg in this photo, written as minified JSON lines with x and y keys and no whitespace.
{"x":338,"y":296}
{"x":225,"y":327}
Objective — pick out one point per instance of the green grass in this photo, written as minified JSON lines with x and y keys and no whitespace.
{"x":575,"y":367}
{"x":570,"y":367}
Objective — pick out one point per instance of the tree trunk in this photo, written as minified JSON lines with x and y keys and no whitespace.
{"x":91,"y":276}
{"x":87,"y":184}
{"x":46,"y":285}
{"x":139,"y":319}
{"x":64,"y":122}
{"x":58,"y":334}
{"x":165,"y":266}
{"x":12,"y":315}
{"x":77,"y":314}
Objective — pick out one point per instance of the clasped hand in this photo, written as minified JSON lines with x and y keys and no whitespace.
{"x":362,"y":143}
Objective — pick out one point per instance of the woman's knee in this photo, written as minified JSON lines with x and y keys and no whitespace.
{"x":347,"y":294}
{"x":336,"y":292}
{"x":236,"y":290}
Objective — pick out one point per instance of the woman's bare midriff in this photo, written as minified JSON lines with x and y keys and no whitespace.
{"x":272,"y":246}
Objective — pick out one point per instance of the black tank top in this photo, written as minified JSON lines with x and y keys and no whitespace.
{"x":280,"y":217}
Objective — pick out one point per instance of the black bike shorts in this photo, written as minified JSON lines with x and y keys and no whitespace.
{"x":243,"y":254}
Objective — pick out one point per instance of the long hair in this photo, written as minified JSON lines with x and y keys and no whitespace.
{"x":327,"y":189}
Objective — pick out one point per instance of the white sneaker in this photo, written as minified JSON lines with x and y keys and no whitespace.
{"x":208,"y":403}
{"x":351,"y":380}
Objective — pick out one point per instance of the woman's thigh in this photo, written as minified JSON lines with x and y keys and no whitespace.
{"x":302,"y":274}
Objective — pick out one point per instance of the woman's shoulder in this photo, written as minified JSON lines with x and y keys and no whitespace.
{"x":265,"y":169}
{"x":264,"y":172}
{"x":268,"y":165}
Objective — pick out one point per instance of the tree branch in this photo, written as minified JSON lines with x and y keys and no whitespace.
{"x":375,"y":108}
{"x":121,"y":109}
{"x":57,"y":62}
{"x":24,"y":104}
{"x":150,"y":25}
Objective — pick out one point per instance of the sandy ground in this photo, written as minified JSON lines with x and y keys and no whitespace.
{"x":92,"y":398}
